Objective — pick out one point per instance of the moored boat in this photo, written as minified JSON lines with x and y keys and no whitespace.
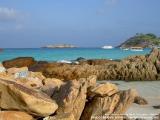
{"x":136,"y":49}
{"x":125,"y":48}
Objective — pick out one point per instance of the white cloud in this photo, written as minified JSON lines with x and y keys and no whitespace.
{"x":8,"y":14}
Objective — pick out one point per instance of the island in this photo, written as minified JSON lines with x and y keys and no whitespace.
{"x":140,"y":40}
{"x":60,"y":46}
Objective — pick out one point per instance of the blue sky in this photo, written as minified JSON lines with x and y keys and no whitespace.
{"x":88,"y":23}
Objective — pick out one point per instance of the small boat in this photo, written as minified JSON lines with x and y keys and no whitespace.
{"x":136,"y":49}
{"x":125,"y":48}
{"x":107,"y":47}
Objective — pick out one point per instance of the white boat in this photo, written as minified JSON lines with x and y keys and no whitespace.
{"x":107,"y":47}
{"x":125,"y":49}
{"x":136,"y":49}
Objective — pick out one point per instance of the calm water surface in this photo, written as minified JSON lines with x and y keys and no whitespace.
{"x":68,"y":54}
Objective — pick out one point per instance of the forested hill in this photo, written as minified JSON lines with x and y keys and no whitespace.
{"x":141,"y":40}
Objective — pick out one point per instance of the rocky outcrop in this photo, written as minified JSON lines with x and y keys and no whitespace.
{"x":108,"y":106}
{"x":106,"y":89}
{"x":140,"y":100}
{"x":156,"y":107}
{"x":17,"y":97}
{"x":55,"y":99}
{"x":95,"y":62}
{"x":2,"y":68}
{"x":131,"y":68}
{"x":51,"y":85}
{"x":19,"y":62}
{"x":111,"y":71}
{"x":71,"y":98}
{"x":18,"y":72}
{"x":141,"y":40}
{"x":15,"y":115}
{"x":157,"y":117}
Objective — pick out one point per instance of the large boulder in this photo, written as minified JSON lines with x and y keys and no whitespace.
{"x":32,"y":83}
{"x":36,"y":75}
{"x":19,"y":62}
{"x":18,"y":72}
{"x":91,"y":81}
{"x":15,"y":115}
{"x":124,"y":70}
{"x":71,"y":98}
{"x":2,"y":68}
{"x":140,"y":100}
{"x":18,"y":97}
{"x":51,"y":85}
{"x":154,"y":55}
{"x":103,"y":90}
{"x":157,"y":117}
{"x":107,"y":106}
{"x":96,"y":62}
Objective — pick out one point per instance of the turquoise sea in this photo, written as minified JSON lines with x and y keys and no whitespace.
{"x":68,"y":53}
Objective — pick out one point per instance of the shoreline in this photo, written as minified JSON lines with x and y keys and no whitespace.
{"x":59,"y":85}
{"x":150,"y":90}
{"x":133,"y":68}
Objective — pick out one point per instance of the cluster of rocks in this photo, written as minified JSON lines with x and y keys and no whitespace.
{"x":29,"y":95}
{"x":143,"y":67}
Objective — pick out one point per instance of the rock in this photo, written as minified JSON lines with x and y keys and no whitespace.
{"x":71,"y":98}
{"x":15,"y":115}
{"x":109,"y":105}
{"x":80,"y":59}
{"x":28,"y":79}
{"x":157,"y":117}
{"x":32,"y":80}
{"x":156,"y":106}
{"x":36,"y":75}
{"x":18,"y":72}
{"x":95,"y":62}
{"x":141,"y":101}
{"x":19,"y":62}
{"x":91,"y":81}
{"x":65,"y":116}
{"x":134,"y":68}
{"x":18,"y":97}
{"x":106,"y":89}
{"x":136,"y":58}
{"x":32,"y":83}
{"x":124,"y":70}
{"x":154,"y":55}
{"x":53,"y":82}
{"x":157,"y":64}
{"x":2,"y":69}
{"x":51,"y":85}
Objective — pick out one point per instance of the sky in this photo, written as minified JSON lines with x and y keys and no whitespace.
{"x":84,"y":23}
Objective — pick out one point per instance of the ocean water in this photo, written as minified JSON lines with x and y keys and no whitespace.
{"x":68,"y":53}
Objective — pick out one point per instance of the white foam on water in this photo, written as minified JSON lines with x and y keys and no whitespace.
{"x":64,"y":61}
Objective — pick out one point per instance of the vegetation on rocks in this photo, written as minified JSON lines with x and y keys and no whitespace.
{"x":142,"y":40}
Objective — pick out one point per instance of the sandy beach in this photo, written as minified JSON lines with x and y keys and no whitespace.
{"x":150,"y":91}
